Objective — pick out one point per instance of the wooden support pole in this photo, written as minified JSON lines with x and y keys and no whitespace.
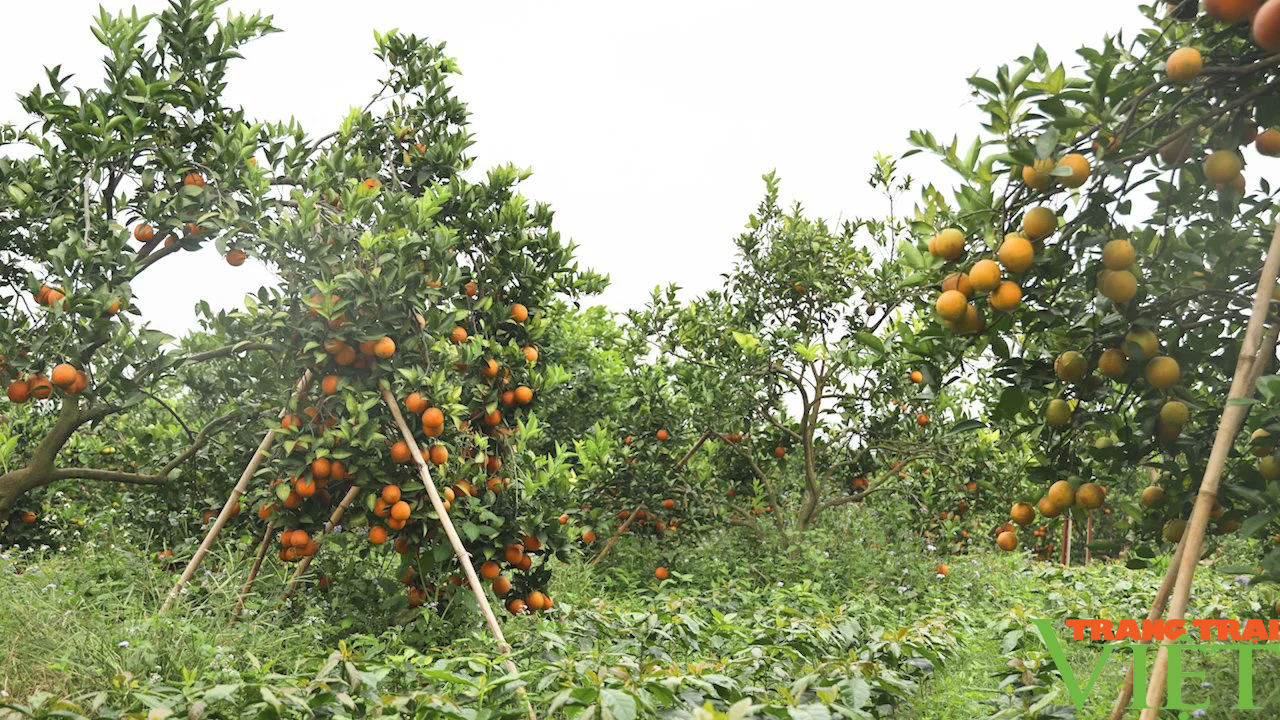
{"x":617,"y":534}
{"x":1233,"y":416}
{"x":253,"y":571}
{"x":627,"y":523}
{"x":1066,"y":539}
{"x":459,"y":550}
{"x":334,"y":519}
{"x":1121,"y":705}
{"x":1088,"y":539}
{"x":232,"y":500}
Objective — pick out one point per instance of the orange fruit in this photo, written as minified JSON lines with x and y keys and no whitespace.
{"x":1184,"y":65}
{"x":489,"y":570}
{"x":63,"y":375}
{"x":1080,"y":170}
{"x":415,"y":404}
{"x":305,"y":487}
{"x":501,"y":584}
{"x":377,"y":534}
{"x":1016,"y":253}
{"x":661,"y":573}
{"x":390,"y":494}
{"x":384,"y":348}
{"x":235,"y":257}
{"x":524,"y":396}
{"x":589,"y":536}
{"x":1222,"y":166}
{"x":400,"y":452}
{"x":949,"y":244}
{"x":1022,"y":513}
{"x":1007,"y":541}
{"x":1163,"y":372}
{"x":519,"y":313}
{"x":320,"y":468}
{"x":917,"y":376}
{"x":144,"y":232}
{"x":1118,"y":255}
{"x":193,"y":178}
{"x":662,"y":434}
{"x":1268,"y":143}
{"x":439,"y":454}
{"x":41,"y":388}
{"x":1113,"y":363}
{"x":530,"y":354}
{"x":19,"y":391}
{"x":517,"y":607}
{"x":1266,"y":27}
{"x":951,"y":305}
{"x":985,"y":276}
{"x":536,"y":601}
{"x":1039,"y":222}
{"x":1007,"y":296}
{"x":400,"y":510}
{"x":1037,"y":176}
{"x":1231,"y":11}
{"x":329,"y":385}
{"x":959,"y":281}
{"x":564,"y":518}
{"x":458,"y":336}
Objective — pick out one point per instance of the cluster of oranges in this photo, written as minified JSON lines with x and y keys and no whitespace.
{"x":1061,"y":497}
{"x":65,"y":377}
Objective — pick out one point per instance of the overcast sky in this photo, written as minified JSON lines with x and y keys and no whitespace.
{"x":648,"y":125}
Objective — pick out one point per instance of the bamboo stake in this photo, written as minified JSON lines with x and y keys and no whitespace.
{"x":1066,"y":540}
{"x":460,"y":550}
{"x":617,"y":534}
{"x":258,"y":456}
{"x":1088,"y":539}
{"x":253,"y":571}
{"x":1233,"y":416}
{"x":334,"y":519}
{"x":627,"y":523}
{"x":1157,"y":610}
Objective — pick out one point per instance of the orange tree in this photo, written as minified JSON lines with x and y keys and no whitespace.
{"x":102,"y":186}
{"x":1101,"y":253}
{"x":399,"y":271}
{"x":802,"y":366}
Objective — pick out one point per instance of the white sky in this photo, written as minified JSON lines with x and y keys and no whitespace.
{"x":647,"y":125}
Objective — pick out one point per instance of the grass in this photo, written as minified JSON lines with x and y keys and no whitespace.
{"x":877,"y":631}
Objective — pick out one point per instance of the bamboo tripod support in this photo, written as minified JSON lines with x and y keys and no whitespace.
{"x":258,"y":456}
{"x":253,"y":571}
{"x":334,"y":519}
{"x":1233,"y":416}
{"x":622,"y":529}
{"x":459,"y":550}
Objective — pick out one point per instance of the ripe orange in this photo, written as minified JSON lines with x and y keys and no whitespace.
{"x":384,"y":348}
{"x":1222,"y":166}
{"x":1163,"y":372}
{"x":1184,"y":65}
{"x":589,"y":536}
{"x":458,"y":336}
{"x":1231,"y":11}
{"x":1268,"y":142}
{"x":235,"y":257}
{"x":439,"y":454}
{"x":662,"y":435}
{"x":400,"y":452}
{"x":193,"y":178}
{"x":1113,"y":363}
{"x":41,"y":388}
{"x":1022,"y":513}
{"x":1266,"y":27}
{"x":524,"y":396}
{"x":779,"y":452}
{"x":1090,"y":496}
{"x":1007,"y":541}
{"x":536,"y":601}
{"x":390,"y":494}
{"x":1016,"y":253}
{"x":951,"y":305}
{"x":329,"y":385}
{"x":19,"y":391}
{"x":514,"y":553}
{"x":1039,"y":222}
{"x":299,"y":538}
{"x":517,"y":607}
{"x":1080,"y":170}
{"x":400,"y":511}
{"x":489,"y":570}
{"x":922,"y":419}
{"x":985,"y":275}
{"x":944,"y":570}
{"x":519,"y":313}
{"x":661,"y":573}
{"x":320,"y":468}
{"x":958,"y":281}
{"x":63,"y":375}
{"x":415,"y":403}
{"x":564,"y":518}
{"x":293,"y":501}
{"x":949,"y":244}
{"x":530,"y":354}
{"x":1007,"y":296}
{"x":1037,"y":176}
{"x":1118,"y":255}
{"x":433,"y":417}
{"x":377,"y":534}
{"x":917,"y":376}
{"x":144,"y":232}
{"x":305,"y":487}
{"x":1062,"y":494}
